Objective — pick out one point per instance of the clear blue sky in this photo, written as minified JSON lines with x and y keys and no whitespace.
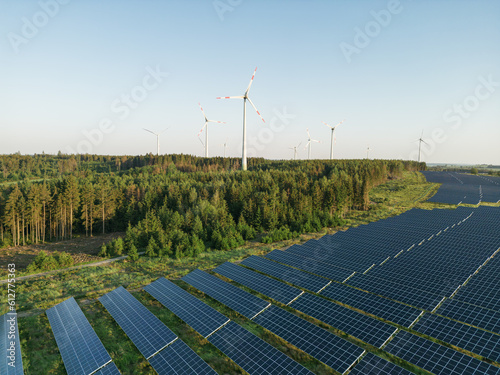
{"x":64,"y":68}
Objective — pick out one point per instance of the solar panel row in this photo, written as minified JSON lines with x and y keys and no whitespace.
{"x":11,"y":361}
{"x":81,"y":350}
{"x":166,"y":353}
{"x":373,"y":365}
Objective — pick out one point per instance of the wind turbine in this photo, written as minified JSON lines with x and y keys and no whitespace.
{"x":157,"y":139}
{"x":368,"y":149}
{"x":420,"y":140}
{"x":295,"y":150}
{"x":225,"y":145}
{"x":206,"y":131}
{"x":245,"y":98}
{"x":334,"y":140}
{"x":309,"y":143}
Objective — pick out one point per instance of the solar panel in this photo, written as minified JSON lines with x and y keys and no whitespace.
{"x":351,"y":322}
{"x":371,"y":364}
{"x":461,"y":335}
{"x":398,"y":292}
{"x":201,"y":317}
{"x":285,"y":273}
{"x":145,"y":330}
{"x":81,"y":350}
{"x":318,"y":268}
{"x":470,"y":314}
{"x":237,"y":299}
{"x":265,"y":285}
{"x":378,"y":306}
{"x":11,"y":362}
{"x":436,"y":358}
{"x":253,"y":354}
{"x":326,"y":347}
{"x":109,"y":369}
{"x":179,"y":359}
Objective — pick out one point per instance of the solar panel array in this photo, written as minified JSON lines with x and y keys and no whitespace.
{"x":265,"y":285}
{"x":180,"y":359}
{"x":252,"y":354}
{"x":461,"y":335}
{"x":201,"y":317}
{"x":436,"y":358}
{"x":9,"y":333}
{"x":349,"y":321}
{"x":291,"y":275}
{"x":109,"y":369}
{"x":463,"y":188}
{"x":81,"y":350}
{"x":237,"y":299}
{"x":145,"y":330}
{"x":328,"y":348}
{"x":166,"y":353}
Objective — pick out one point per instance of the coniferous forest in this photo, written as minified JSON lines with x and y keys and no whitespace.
{"x":179,"y":205}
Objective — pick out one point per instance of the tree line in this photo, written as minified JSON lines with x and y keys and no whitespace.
{"x":180,"y":205}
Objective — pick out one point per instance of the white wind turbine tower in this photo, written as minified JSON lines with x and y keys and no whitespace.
{"x":309,"y":143}
{"x":294,"y":148}
{"x":334,"y":140}
{"x":368,"y":149}
{"x":157,"y":139}
{"x":206,"y":131}
{"x":245,"y":98}
{"x":225,"y":145}
{"x":420,"y":140}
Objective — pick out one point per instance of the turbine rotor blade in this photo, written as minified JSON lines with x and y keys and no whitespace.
{"x":256,"y":110}
{"x":327,"y":125}
{"x":230,"y":97}
{"x":150,"y":131}
{"x":251,"y":81}
{"x":339,"y":124}
{"x":201,"y":131}
{"x":218,"y":122}
{"x":314,"y":140}
{"x":309,"y":135}
{"x":305,"y":147}
{"x":203,"y":112}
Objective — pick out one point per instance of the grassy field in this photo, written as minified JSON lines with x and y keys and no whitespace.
{"x":34,"y":296}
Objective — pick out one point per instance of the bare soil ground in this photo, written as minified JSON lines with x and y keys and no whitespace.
{"x":82,"y":249}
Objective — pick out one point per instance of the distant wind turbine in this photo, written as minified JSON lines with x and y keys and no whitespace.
{"x":157,"y":139}
{"x":225,"y":145}
{"x":368,"y":149}
{"x":334,"y":140}
{"x":245,"y":98}
{"x":206,"y":131}
{"x":420,"y":140}
{"x":294,"y":148}
{"x":309,"y":143}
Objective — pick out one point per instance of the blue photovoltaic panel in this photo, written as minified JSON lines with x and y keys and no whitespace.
{"x":201,"y":317}
{"x":81,"y":350}
{"x":316,"y":267}
{"x":9,"y":333}
{"x":237,"y":299}
{"x":145,"y":330}
{"x":253,"y":354}
{"x":265,"y":285}
{"x":470,"y":314}
{"x":436,"y":358}
{"x":373,"y":365}
{"x":290,"y":275}
{"x":461,"y":335}
{"x":109,"y":369}
{"x":351,"y":322}
{"x":378,"y":306}
{"x":326,"y":347}
{"x":179,"y":359}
